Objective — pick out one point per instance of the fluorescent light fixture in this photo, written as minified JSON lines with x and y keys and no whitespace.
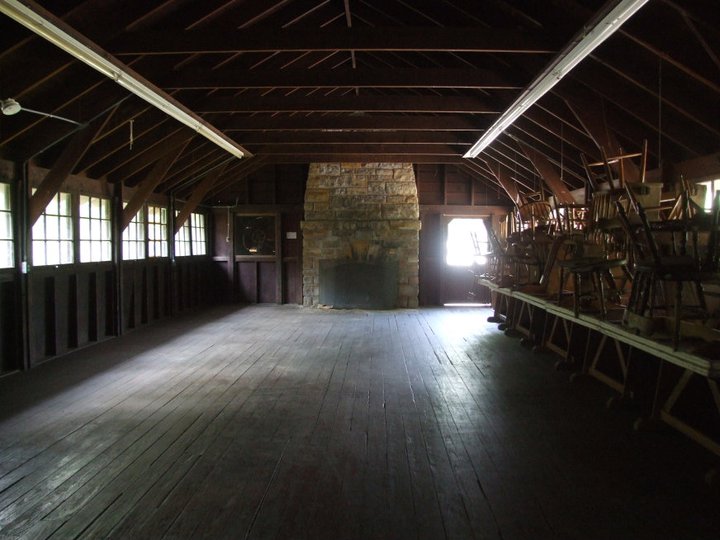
{"x":56,"y":32}
{"x":604,"y":25}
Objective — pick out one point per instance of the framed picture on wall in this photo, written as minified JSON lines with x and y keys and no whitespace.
{"x":255,"y":235}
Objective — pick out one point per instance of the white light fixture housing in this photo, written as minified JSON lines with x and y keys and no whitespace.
{"x":597,"y":31}
{"x":46,"y":25}
{"x":10,"y":106}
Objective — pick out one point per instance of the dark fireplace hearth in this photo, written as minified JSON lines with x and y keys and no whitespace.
{"x":358,"y":284}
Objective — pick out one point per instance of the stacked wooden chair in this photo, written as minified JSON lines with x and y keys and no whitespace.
{"x":527,"y":247}
{"x":680,"y":263}
{"x":600,"y":258}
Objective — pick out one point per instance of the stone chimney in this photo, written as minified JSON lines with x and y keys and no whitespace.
{"x":362,"y":227}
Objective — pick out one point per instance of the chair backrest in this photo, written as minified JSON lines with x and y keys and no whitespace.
{"x":496,"y":246}
{"x":643,"y":242}
{"x":614,"y":169}
{"x":571,"y":218}
{"x":712,"y":255}
{"x":534,"y":213}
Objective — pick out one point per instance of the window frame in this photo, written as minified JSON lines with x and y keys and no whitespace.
{"x":70,"y":242}
{"x":105,"y":221}
{"x":186,"y":234}
{"x":153,"y":227}
{"x":137,"y":225}
{"x":9,"y":240}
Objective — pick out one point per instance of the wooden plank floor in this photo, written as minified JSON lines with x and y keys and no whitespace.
{"x":284,"y":422}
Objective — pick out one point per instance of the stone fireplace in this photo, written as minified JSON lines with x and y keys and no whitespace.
{"x":361,"y":236}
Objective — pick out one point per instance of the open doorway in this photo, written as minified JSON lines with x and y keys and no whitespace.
{"x":466,"y":250}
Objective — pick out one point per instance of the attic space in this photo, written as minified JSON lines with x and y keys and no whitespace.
{"x":359,"y":269}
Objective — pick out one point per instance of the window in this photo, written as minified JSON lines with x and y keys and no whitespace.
{"x":712,"y":187}
{"x":197,"y":228}
{"x":6,"y":230}
{"x":467,"y":242}
{"x":157,"y":231}
{"x":52,"y":234}
{"x":95,"y":229}
{"x":134,"y":238}
{"x":190,"y":239}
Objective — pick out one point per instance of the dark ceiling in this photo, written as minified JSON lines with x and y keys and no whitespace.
{"x":296,"y":81}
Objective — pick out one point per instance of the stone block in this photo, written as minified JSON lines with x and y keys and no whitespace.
{"x":399,"y":212}
{"x":317,"y":169}
{"x":317,"y":195}
{"x":401,"y":188}
{"x":376,"y":188}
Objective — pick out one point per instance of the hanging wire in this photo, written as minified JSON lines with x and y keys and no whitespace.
{"x":227,"y":236}
{"x":659,"y":112}
{"x":132,"y":134}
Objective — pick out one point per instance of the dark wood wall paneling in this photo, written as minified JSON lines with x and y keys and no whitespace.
{"x":74,"y":305}
{"x":10,"y":330}
{"x":277,"y":190}
{"x":446,"y":191}
{"x":442,"y":190}
{"x":70,"y":306}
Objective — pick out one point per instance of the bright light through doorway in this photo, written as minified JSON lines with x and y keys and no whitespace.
{"x":467,"y":242}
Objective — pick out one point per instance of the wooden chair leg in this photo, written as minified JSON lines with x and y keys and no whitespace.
{"x":678,"y":314}
{"x":576,"y":293}
{"x":601,"y":294}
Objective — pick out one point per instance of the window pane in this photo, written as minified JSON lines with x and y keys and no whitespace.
{"x":38,"y":253}
{"x":66,"y":253}
{"x":52,"y":252}
{"x":65,"y":204}
{"x":4,"y":196}
{"x":65,"y":228}
{"x":52,"y":227}
{"x":5,"y":225}
{"x":84,"y":208}
{"x":95,"y":231}
{"x":52,"y":207}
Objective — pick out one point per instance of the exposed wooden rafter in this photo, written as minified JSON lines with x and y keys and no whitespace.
{"x":63,"y":167}
{"x":346,"y":39}
{"x":149,"y":183}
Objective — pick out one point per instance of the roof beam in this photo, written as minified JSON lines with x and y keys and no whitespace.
{"x":63,"y":167}
{"x":338,"y":78}
{"x":593,"y":121}
{"x":197,"y":196}
{"x":363,"y":158}
{"x":505,"y":181}
{"x":613,"y":15}
{"x":259,"y":40}
{"x":348,"y":137}
{"x":355,"y":123}
{"x":548,"y":173}
{"x":149,"y":183}
{"x":347,"y":104}
{"x":365,"y":149}
{"x":237,"y":172}
{"x":56,"y":31}
{"x":163,"y":144}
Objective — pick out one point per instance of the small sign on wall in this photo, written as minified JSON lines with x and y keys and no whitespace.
{"x":291,"y":235}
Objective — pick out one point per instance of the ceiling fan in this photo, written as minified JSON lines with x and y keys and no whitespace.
{"x":11,"y":106}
